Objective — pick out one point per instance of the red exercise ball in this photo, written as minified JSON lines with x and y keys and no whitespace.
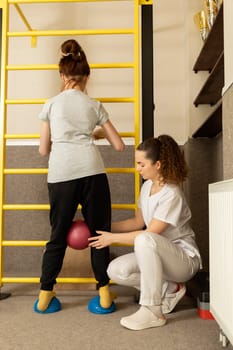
{"x":78,"y":235}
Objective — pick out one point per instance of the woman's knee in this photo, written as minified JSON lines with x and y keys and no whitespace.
{"x":111,"y":270}
{"x":116,"y":270}
{"x":122,"y":268}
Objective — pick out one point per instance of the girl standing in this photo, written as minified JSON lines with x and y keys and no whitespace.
{"x":76,"y":173}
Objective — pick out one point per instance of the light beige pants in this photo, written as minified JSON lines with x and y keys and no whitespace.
{"x":154,"y":263}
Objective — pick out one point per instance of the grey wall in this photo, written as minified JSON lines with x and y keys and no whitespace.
{"x":34,"y":224}
{"x":203,"y":155}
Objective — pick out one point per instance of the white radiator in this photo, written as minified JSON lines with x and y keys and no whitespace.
{"x":221,"y":256}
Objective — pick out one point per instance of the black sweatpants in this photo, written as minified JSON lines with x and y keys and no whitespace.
{"x":93,"y":194}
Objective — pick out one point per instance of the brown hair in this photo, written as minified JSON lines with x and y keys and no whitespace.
{"x":165,"y":149}
{"x":73,"y":63}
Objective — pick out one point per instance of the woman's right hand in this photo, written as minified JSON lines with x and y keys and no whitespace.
{"x":103,"y":240}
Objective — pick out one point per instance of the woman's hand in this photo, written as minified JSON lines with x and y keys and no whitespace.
{"x":104,"y":239}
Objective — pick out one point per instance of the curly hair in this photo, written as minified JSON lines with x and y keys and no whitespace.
{"x":165,"y":149}
{"x":73,"y":62}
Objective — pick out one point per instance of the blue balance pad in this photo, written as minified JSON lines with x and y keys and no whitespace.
{"x":95,"y":307}
{"x":54,"y":306}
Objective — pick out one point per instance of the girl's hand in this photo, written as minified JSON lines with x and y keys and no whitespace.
{"x":98,"y":134}
{"x":104,"y":239}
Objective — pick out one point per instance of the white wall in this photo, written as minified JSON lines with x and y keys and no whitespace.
{"x":170,"y":68}
{"x":99,"y":49}
{"x":176,"y":46}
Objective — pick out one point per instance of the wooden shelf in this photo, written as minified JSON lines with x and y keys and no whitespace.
{"x":211,"y":92}
{"x":211,"y":58}
{"x":212,"y":126}
{"x":212,"y":47}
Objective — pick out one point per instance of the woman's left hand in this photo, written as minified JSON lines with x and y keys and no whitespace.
{"x":103,"y":240}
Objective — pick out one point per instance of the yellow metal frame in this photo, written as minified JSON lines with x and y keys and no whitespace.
{"x":20,"y":12}
{"x":135,"y":99}
{"x":146,"y":2}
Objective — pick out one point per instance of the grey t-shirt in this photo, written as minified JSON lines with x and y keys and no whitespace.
{"x":73,"y":116}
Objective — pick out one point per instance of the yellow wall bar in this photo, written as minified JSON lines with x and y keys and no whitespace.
{"x":25,"y":171}
{"x":136,"y":72}
{"x":115,"y":99}
{"x":136,"y":89}
{"x":47,"y":206}
{"x":45,"y":171}
{"x":37,"y":136}
{"x":21,"y":136}
{"x":26,"y":207}
{"x":55,"y":1}
{"x":71,"y":32}
{"x":101,"y":99}
{"x":83,"y":280}
{"x":42,"y":244}
{"x":21,"y":280}
{"x":24,"y":101}
{"x":4,"y":84}
{"x":127,"y":134}
{"x":55,"y":66}
{"x":24,"y":243}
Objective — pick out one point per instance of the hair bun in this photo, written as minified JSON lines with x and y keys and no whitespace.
{"x":71,"y":47}
{"x":73,"y":61}
{"x":64,"y":54}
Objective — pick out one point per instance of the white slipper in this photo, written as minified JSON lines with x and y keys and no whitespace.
{"x":170,"y":301}
{"x":142,"y":319}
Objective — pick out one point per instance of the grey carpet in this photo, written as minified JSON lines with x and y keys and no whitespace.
{"x":75,"y":328}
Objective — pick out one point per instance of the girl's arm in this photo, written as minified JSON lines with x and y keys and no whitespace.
{"x":45,"y":139}
{"x":112,"y":136}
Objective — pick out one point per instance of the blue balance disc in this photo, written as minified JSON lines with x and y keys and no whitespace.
{"x":95,"y":307}
{"x":54,"y":306}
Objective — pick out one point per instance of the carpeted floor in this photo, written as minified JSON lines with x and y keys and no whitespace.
{"x":75,"y":328}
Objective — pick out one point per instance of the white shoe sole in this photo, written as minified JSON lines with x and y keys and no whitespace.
{"x":158,"y":322}
{"x":172,"y":300}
